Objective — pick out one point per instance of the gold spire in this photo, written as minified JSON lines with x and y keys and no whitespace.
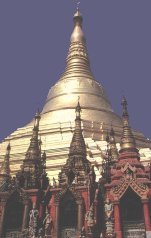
{"x":77,"y":59}
{"x":127,"y":140}
{"x":5,"y":169}
{"x":77,"y":146}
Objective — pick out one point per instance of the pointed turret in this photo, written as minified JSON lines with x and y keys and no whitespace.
{"x":77,"y":146}
{"x":33,"y":173}
{"x":5,"y":171}
{"x":34,"y":147}
{"x":77,"y":167}
{"x":127,"y":140}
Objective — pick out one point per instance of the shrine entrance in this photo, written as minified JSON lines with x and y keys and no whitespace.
{"x":132,"y":218}
{"x":13,"y":216}
{"x":68,"y":216}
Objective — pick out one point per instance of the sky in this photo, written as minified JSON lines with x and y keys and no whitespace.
{"x":34,"y":40}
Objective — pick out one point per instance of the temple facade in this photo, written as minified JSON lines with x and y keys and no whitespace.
{"x":83,"y":177}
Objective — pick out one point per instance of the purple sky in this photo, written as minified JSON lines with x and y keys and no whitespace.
{"x":34,"y":40}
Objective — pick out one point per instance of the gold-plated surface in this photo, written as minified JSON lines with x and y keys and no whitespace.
{"x":77,"y":35}
{"x":78,"y":81}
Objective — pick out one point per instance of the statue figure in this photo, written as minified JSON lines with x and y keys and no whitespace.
{"x":109,"y":218}
{"x":108,"y":209}
{"x":48,"y":224}
{"x":33,"y":222}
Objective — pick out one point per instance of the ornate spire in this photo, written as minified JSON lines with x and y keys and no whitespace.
{"x":33,"y":174}
{"x":77,"y":167}
{"x":34,"y":147}
{"x":127,"y":140}
{"x":77,"y":60}
{"x":77,"y":146}
{"x":5,"y":169}
{"x":113,"y":148}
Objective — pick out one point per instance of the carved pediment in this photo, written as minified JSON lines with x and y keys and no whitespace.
{"x":119,"y":190}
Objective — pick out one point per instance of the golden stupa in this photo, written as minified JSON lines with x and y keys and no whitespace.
{"x":58,"y":114}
